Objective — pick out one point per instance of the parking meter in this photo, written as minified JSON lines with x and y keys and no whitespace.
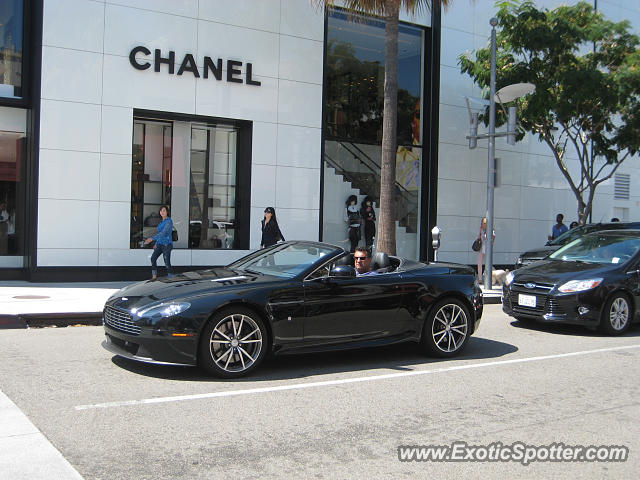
{"x":436,"y":235}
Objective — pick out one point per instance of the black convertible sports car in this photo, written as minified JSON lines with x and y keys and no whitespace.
{"x":593,"y":281}
{"x":296,"y":296}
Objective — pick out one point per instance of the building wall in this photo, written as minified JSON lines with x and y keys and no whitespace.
{"x":89,"y":92}
{"x":531,"y":190}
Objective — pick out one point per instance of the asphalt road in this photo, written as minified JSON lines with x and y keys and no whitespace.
{"x":335,"y":415}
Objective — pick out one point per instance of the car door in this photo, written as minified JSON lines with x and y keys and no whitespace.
{"x":343,"y":310}
{"x":632,"y":283}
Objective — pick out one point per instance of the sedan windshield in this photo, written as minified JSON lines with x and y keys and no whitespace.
{"x":599,"y":248}
{"x":283,"y":260}
{"x":572,"y":234}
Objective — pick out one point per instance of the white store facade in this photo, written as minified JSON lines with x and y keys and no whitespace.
{"x":222,"y":108}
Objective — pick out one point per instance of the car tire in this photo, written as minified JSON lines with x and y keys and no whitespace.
{"x":447,"y":328}
{"x":616,"y":314}
{"x":233,"y":343}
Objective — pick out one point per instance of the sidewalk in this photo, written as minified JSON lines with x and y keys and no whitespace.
{"x":24,"y":304}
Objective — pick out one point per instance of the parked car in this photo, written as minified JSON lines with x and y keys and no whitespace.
{"x":592,"y":281}
{"x":551,"y":246}
{"x":293,"y":297}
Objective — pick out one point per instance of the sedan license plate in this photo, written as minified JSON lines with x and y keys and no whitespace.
{"x":527,"y":300}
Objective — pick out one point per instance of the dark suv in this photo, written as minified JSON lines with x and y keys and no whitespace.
{"x":531,"y":256}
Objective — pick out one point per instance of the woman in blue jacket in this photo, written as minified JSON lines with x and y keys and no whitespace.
{"x":164,"y":243}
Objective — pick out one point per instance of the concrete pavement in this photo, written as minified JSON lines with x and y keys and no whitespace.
{"x":25,"y":451}
{"x":330,"y":415}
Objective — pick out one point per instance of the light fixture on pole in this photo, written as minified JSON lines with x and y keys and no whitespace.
{"x":504,"y":95}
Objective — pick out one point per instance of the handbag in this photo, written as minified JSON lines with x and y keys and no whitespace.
{"x":174,"y":235}
{"x":477,"y":245}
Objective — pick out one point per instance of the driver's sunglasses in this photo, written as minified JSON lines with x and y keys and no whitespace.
{"x":357,"y":259}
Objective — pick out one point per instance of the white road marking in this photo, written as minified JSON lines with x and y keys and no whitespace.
{"x":343,"y":381}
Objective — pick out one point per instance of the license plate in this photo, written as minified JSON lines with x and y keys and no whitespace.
{"x":527,"y":300}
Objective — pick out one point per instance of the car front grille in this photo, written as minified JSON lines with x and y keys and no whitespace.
{"x":120,"y":320}
{"x":545,"y":304}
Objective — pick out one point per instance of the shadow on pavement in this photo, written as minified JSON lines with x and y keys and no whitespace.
{"x":399,"y":357}
{"x":574,"y":330}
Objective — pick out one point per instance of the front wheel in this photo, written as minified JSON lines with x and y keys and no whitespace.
{"x":447,"y":329}
{"x":233,"y":343}
{"x":616,"y":315}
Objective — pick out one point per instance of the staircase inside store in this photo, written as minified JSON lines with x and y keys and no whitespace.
{"x":355,"y":169}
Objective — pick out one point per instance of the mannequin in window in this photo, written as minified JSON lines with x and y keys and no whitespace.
{"x":4,"y":229}
{"x":369,"y":220}
{"x":354,"y":219}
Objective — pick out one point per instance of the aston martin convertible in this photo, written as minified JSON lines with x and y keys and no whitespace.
{"x":294,"y":297}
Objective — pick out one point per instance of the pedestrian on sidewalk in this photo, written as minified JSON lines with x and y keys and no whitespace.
{"x":164,"y":243}
{"x":271,"y":233}
{"x":559,"y":228}
{"x":482,"y":235}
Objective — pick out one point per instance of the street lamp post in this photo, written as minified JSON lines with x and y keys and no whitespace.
{"x":504,"y":95}
{"x":491,"y":168}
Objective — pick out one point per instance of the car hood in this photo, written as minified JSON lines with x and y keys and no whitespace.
{"x":541,"y":252}
{"x":188,"y":284}
{"x":558,"y":271}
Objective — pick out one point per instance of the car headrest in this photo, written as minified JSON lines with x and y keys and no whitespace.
{"x":346,"y":260}
{"x":380,"y":260}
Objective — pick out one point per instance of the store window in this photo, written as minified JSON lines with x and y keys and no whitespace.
{"x":191,"y":167}
{"x":353,"y":126}
{"x":12,"y":185}
{"x":212,"y":187}
{"x":11,"y":49}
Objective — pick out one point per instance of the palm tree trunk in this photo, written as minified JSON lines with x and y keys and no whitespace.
{"x":386,"y":235}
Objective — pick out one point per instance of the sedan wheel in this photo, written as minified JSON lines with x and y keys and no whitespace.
{"x":616,"y":316}
{"x":233,"y":343}
{"x":447,"y":328}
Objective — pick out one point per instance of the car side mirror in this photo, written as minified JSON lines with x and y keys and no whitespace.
{"x":342,"y":271}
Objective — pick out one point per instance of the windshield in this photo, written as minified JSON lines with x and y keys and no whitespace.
{"x":599,"y":248}
{"x":572,"y":234}
{"x":283,"y":260}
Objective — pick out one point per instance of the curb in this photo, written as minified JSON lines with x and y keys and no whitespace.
{"x":493,"y":300}
{"x":40,"y":320}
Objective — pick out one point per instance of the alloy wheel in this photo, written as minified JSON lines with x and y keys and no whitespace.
{"x":619,"y":314}
{"x":235,"y":343}
{"x":450,"y":328}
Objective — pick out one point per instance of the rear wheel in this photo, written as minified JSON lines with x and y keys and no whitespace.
{"x":447,"y":329}
{"x":616,"y":315}
{"x":233,"y":343}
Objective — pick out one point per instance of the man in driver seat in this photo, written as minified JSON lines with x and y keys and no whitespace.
{"x":362,"y":261}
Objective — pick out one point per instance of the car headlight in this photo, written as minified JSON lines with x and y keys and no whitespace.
{"x":163,"y":310}
{"x":573,"y":286}
{"x":508,"y":279}
{"x":519,"y":261}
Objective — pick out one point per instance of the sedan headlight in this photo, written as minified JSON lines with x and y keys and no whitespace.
{"x":508,"y":279}
{"x":573,"y":286}
{"x":163,"y":310}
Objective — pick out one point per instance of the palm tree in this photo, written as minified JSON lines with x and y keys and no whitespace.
{"x":390,"y":10}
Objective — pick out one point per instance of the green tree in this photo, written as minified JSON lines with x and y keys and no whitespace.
{"x":587,"y":76}
{"x":390,"y":11}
